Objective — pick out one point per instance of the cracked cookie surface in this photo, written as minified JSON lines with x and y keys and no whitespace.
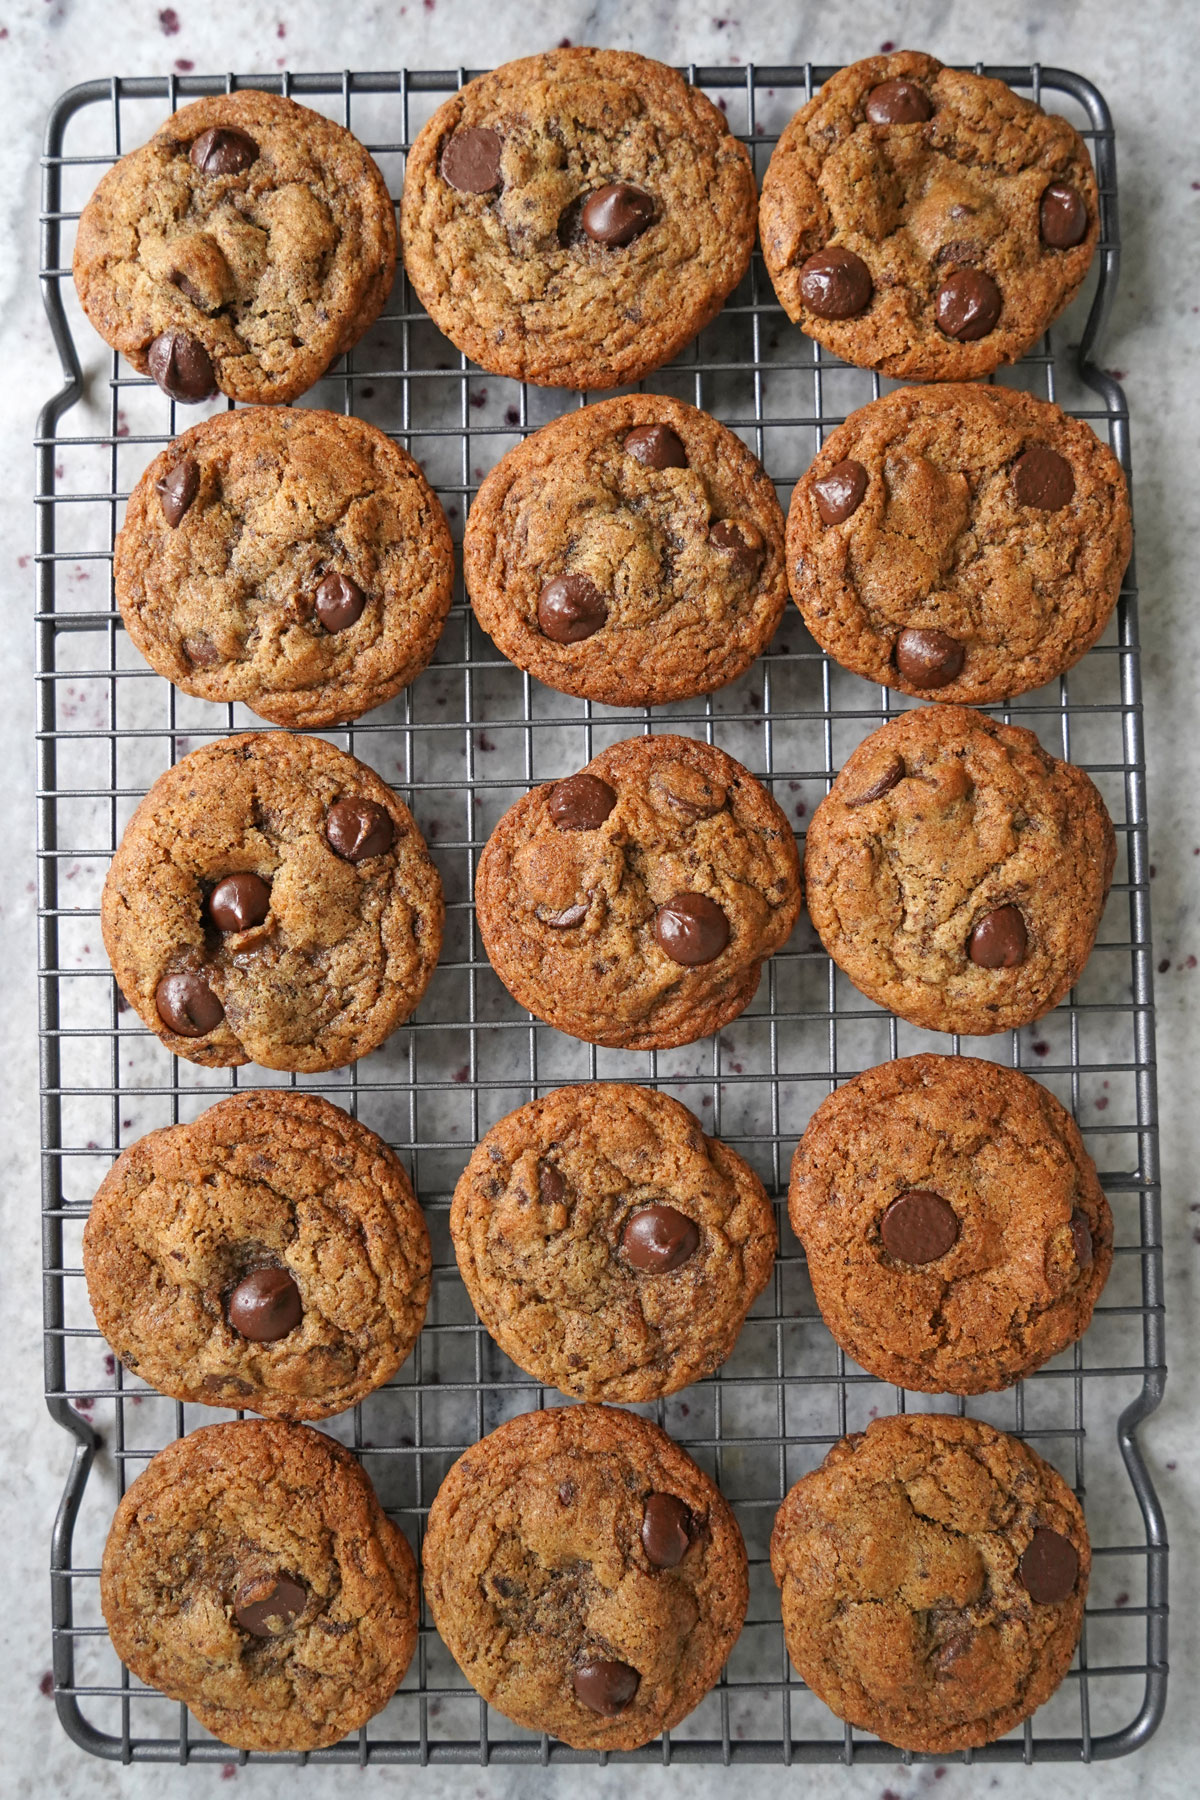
{"x":344,"y":948}
{"x":308,"y":575}
{"x":957,"y":872}
{"x":903,"y":1562}
{"x":660,"y":841}
{"x":672,"y":522}
{"x":933,"y":182}
{"x":220,"y":1526}
{"x":579,"y":1552}
{"x":954,"y":1227}
{"x":985,"y":515}
{"x":259,"y":229}
{"x":543,"y":1227}
{"x":520,"y":264}
{"x":278,"y":1181}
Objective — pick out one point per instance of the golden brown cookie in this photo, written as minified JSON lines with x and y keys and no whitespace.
{"x":610,"y":1248}
{"x":955,"y":1229}
{"x":247,"y":245}
{"x":272,"y":901}
{"x":635,"y":903}
{"x":575,"y":218}
{"x":295,"y":560}
{"x":959,"y":542}
{"x":630,"y":553}
{"x":924,"y":221}
{"x":270,"y":1255}
{"x":957,"y":872}
{"x":588,"y":1579}
{"x":251,"y":1573}
{"x":934,"y":1572}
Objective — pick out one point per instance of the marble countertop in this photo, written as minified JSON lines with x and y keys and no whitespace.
{"x":1144,"y":60}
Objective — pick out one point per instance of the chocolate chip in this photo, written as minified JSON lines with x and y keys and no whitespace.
{"x":265,"y":1305}
{"x":968,"y":305}
{"x":1081,"y":1238}
{"x":357,"y":829}
{"x":692,"y":929}
{"x":1043,"y":478}
{"x":223,"y":151}
{"x":898,"y":102}
{"x":884,"y":782}
{"x":666,"y":1530}
{"x":581,"y":803}
{"x":928,"y":659}
{"x":1049,"y":1566}
{"x":839,"y":492}
{"x":202,"y":652}
{"x":1062,"y":216}
{"x":656,"y":447}
{"x":734,"y":538}
{"x":566,"y":1493}
{"x":471,"y":159}
{"x":239,"y":902}
{"x":999,"y":940}
{"x":268,"y":1605}
{"x":605,"y":1687}
{"x":551,"y":1186}
{"x":187,"y":1005}
{"x":571,"y":608}
{"x":659,"y":1238}
{"x":181,"y":367}
{"x":689,"y":793}
{"x":177,"y":489}
{"x":340,"y":602}
{"x":919,"y":1227}
{"x":835,"y":284}
{"x":616,"y":214}
{"x":568,"y":917}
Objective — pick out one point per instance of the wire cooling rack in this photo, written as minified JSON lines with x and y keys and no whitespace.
{"x":461,"y":744}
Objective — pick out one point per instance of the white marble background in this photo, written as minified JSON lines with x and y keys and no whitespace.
{"x":1145,"y":59}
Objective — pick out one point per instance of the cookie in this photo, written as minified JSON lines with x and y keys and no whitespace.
{"x":957,"y":872}
{"x":271,"y":1255}
{"x":924,"y":221}
{"x":610,"y":1248}
{"x":961,"y":542}
{"x":251,"y":1573}
{"x":272,"y":901}
{"x":630,"y":553}
{"x":588,"y":1579}
{"x":297,"y":561}
{"x":247,"y":245}
{"x":574,"y":219}
{"x":956,"y":1232}
{"x":635,"y":903}
{"x":934,"y":1572}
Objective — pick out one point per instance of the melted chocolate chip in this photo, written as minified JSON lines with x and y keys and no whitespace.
{"x":919,"y":1227}
{"x":839,"y":492}
{"x":898,"y":102}
{"x":1081,"y":1239}
{"x":743,"y":550}
{"x":1043,"y":478}
{"x":968,"y":305}
{"x":835,"y":284}
{"x":656,"y":447}
{"x":187,"y":1005}
{"x":616,"y":214}
{"x":891,"y":773}
{"x":929,"y":659}
{"x":551,"y":1186}
{"x":181,"y":367}
{"x":659,"y":1238}
{"x":605,"y":1687}
{"x":268,"y":1605}
{"x":571,"y":608}
{"x":1062,"y":216}
{"x":340,"y":602}
{"x":581,"y":803}
{"x":666,"y":1530}
{"x":567,"y":918}
{"x":239,"y":902}
{"x":357,"y":829}
{"x":265,"y":1305}
{"x":999,"y":940}
{"x":471,"y":159}
{"x":177,"y":489}
{"x":692,"y":929}
{"x":1049,"y":1567}
{"x":221,"y":150}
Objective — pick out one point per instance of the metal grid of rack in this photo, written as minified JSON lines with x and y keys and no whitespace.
{"x":468,"y":737}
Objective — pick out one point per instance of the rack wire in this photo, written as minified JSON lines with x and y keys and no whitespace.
{"x":461,"y":744}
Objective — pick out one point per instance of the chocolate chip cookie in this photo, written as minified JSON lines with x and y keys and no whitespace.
{"x":295,"y":560}
{"x":631,"y":553}
{"x":247,"y":245}
{"x":959,"y":541}
{"x":957,"y":872}
{"x":934,"y":1572}
{"x":272,"y":901}
{"x":924,"y":221}
{"x":574,"y":219}
{"x":956,"y":1232}
{"x":271,"y":1255}
{"x":588,"y":1579}
{"x":635,"y":903}
{"x":251,"y":1573}
{"x":610,"y":1248}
